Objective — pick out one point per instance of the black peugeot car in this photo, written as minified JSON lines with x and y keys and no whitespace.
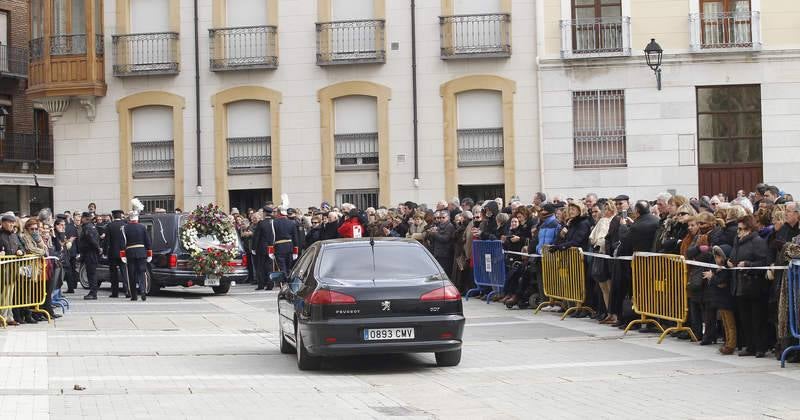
{"x":366,"y":296}
{"x":170,"y":261}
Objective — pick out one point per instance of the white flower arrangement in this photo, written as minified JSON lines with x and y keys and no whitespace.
{"x":210,"y":239}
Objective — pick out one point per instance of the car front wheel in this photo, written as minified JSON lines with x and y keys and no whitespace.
{"x":448,"y":358}
{"x":305,"y":361}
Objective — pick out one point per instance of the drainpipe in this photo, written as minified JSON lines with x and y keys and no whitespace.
{"x":197,"y":95}
{"x":414,"y":89}
{"x":539,"y":52}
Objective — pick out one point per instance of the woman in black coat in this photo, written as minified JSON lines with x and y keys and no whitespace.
{"x":717,"y":300}
{"x":751,"y":287}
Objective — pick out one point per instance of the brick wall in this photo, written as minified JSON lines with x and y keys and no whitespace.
{"x":22,"y":108}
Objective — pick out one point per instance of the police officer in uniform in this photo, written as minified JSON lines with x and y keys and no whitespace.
{"x":285,"y":241}
{"x":90,"y":250}
{"x":263,"y":238}
{"x":115,"y":243}
{"x":138,"y":252}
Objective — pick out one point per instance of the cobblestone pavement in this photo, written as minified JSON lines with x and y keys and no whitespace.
{"x":190,"y":354}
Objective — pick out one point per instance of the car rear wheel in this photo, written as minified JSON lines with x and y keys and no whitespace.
{"x":305,"y":361}
{"x":448,"y":358}
{"x":222,"y":289}
{"x":82,"y":277}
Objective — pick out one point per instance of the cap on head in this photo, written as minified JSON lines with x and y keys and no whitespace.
{"x":549,"y":208}
{"x":622,"y":197}
{"x":117,"y":213}
{"x":8,"y":218}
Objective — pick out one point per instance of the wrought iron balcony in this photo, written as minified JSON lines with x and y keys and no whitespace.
{"x":606,"y":36}
{"x":248,"y":47}
{"x":145,"y":54}
{"x":31,"y":148}
{"x":37,"y":48}
{"x":68,"y":44}
{"x":153,"y":159}
{"x":729,"y":30}
{"x":249,"y":155}
{"x":355,"y":152}
{"x":362,"y":199}
{"x":480,"y":147}
{"x":471,"y":36}
{"x":13,"y":62}
{"x":351,"y":42}
{"x":99,"y":45}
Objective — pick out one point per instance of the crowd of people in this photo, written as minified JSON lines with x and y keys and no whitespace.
{"x":758,"y":229}
{"x":745,"y":309}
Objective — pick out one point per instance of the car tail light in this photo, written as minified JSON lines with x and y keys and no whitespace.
{"x":443,"y":293}
{"x":446,"y":336}
{"x":330,"y":340}
{"x":244,"y":260}
{"x":329,"y":297}
{"x":173,"y":261}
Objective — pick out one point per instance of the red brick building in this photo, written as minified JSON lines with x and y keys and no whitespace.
{"x":26,"y":147}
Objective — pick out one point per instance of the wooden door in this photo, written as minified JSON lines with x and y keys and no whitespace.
{"x":729,"y":138}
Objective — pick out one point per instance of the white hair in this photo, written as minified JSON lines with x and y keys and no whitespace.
{"x":663,"y":196}
{"x":745,"y":203}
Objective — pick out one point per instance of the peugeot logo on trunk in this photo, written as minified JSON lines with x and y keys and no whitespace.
{"x":386,"y":305}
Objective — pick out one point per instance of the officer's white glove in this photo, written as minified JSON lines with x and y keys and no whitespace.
{"x":294,"y":256}
{"x":149,"y":259}
{"x":272,"y":256}
{"x":124,"y":260}
{"x":253,"y":252}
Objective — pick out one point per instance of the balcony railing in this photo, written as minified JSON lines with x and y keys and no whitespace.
{"x":68,"y":44}
{"x":32,"y":148}
{"x":37,"y":48}
{"x":249,"y":155}
{"x":358,"y":151}
{"x":99,"y":45}
{"x":250,"y":47}
{"x":141,"y":54}
{"x":153,"y":202}
{"x":480,"y":147}
{"x":153,"y":159}
{"x":471,"y":36}
{"x":13,"y":62}
{"x":351,"y":42}
{"x":596,"y":36}
{"x":729,"y":30}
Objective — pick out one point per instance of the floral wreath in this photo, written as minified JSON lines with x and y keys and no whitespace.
{"x":209,"y":237}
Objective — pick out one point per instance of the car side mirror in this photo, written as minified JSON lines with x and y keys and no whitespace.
{"x":278,"y":277}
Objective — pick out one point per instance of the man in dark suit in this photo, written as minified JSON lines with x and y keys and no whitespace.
{"x":90,"y":252}
{"x":138,"y":252}
{"x":263,"y":238}
{"x":71,"y":233}
{"x":636,"y":235}
{"x":115,"y":243}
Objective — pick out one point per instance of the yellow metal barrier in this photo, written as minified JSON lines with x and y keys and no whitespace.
{"x":23,"y":284}
{"x":563,"y":275}
{"x":659,"y":291}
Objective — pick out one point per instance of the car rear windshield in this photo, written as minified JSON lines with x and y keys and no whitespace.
{"x":392,"y":262}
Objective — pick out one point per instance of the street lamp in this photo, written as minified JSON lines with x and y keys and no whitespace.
{"x":653,"y":53}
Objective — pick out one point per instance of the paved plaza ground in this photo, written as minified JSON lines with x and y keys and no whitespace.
{"x":190,"y":354}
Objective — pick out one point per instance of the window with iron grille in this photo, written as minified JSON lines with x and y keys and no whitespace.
{"x":356,"y":151}
{"x":359,"y":198}
{"x":598,"y":118}
{"x":153,"y":202}
{"x":480,"y":147}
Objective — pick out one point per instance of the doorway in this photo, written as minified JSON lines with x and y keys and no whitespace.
{"x":729,"y":138}
{"x":480,"y":193}
{"x":249,"y":199}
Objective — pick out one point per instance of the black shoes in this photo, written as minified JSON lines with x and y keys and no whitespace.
{"x":134,"y":298}
{"x":70,"y":291}
{"x":113,"y":295}
{"x":90,"y":296}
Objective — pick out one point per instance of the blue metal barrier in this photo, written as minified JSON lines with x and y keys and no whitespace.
{"x":793,"y":284}
{"x":489,"y":268}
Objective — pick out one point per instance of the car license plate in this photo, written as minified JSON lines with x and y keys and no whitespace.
{"x":212,"y":281}
{"x":389,"y":334}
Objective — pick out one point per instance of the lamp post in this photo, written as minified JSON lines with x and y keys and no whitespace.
{"x":653,"y":53}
